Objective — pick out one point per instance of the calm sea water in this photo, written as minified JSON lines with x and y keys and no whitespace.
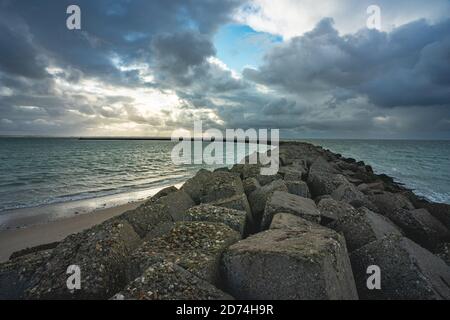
{"x":423,"y":166}
{"x":40,"y":171}
{"x":36,"y":172}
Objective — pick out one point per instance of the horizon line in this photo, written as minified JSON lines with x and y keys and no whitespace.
{"x":165,"y":138}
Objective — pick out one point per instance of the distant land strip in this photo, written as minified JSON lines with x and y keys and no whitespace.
{"x":268,"y":141}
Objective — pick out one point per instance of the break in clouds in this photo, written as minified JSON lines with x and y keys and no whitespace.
{"x":151,"y":67}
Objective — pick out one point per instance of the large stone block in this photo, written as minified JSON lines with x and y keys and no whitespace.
{"x":299,"y":188}
{"x":147,"y":217}
{"x":195,"y":186}
{"x":266,"y":179}
{"x":240,"y":203}
{"x":364,"y":227}
{"x":221,"y":185}
{"x":166,"y":208}
{"x":308,"y":262}
{"x":293,"y":172}
{"x":387,"y":203}
{"x":235,"y":219}
{"x":195,"y":246}
{"x":332,"y":210}
{"x":443,"y":252}
{"x":322,"y":183}
{"x":247,"y":170}
{"x":176,"y":203}
{"x":250,"y":185}
{"x":101,"y":253}
{"x":289,"y":221}
{"x":347,"y":192}
{"x":16,"y":274}
{"x":258,"y":198}
{"x":421,"y":227}
{"x":440,"y":211}
{"x":289,"y":203}
{"x":408,"y":271}
{"x":168,"y":281}
{"x":163,"y":192}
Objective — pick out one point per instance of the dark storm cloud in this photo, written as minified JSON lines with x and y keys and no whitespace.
{"x":367,"y":84}
{"x":34,"y":37}
{"x":182,"y":56}
{"x":408,"y":67}
{"x":18,"y":56}
{"x":109,"y":27}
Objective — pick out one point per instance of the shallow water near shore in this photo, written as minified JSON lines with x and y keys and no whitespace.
{"x":57,"y":177}
{"x":45,"y":174}
{"x":423,"y":166}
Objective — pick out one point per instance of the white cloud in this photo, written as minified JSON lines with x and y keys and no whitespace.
{"x":290,"y":18}
{"x":5,"y":91}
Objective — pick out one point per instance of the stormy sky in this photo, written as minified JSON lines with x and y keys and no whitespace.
{"x":147,"y":68}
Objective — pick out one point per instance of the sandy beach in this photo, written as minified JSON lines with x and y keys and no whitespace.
{"x":18,"y":239}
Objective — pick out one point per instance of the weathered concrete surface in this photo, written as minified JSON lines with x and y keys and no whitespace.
{"x":440,"y":211}
{"x":168,"y":205}
{"x":332,"y":210}
{"x":421,"y":227}
{"x":240,"y":203}
{"x":323,"y":178}
{"x":164,"y":192}
{"x":443,"y":252}
{"x":250,"y":185}
{"x":246,"y":171}
{"x":408,"y":271}
{"x":322,"y":183}
{"x":44,"y":247}
{"x":168,"y":281}
{"x":176,"y":203}
{"x":101,"y":253}
{"x":221,"y":185}
{"x":266,"y":179}
{"x":294,"y":172}
{"x":289,"y":221}
{"x":302,"y":263}
{"x":285,"y":202}
{"x":195,"y":187}
{"x":195,"y":246}
{"x":388,"y":203}
{"x":235,"y":219}
{"x":258,"y":198}
{"x":371,"y":188}
{"x":237,"y":202}
{"x":364,"y":227}
{"x":299,"y":188}
{"x":296,"y":152}
{"x":347,"y":192}
{"x":16,"y":274}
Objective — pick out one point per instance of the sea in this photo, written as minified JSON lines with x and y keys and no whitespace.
{"x":37,"y":172}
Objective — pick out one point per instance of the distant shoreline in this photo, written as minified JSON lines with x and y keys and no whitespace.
{"x":266,"y":141}
{"x":207,"y":140}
